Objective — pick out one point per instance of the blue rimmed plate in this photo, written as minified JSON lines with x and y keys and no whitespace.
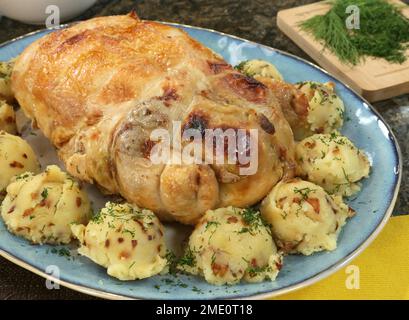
{"x":374,"y":204}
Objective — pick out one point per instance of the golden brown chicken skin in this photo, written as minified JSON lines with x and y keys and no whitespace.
{"x":100,"y":88}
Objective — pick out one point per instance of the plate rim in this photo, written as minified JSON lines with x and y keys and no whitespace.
{"x":291,"y":288}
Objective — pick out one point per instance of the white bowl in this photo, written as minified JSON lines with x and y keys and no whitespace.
{"x":34,"y":11}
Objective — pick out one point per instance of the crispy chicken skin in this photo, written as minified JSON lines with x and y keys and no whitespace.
{"x":99,"y":88}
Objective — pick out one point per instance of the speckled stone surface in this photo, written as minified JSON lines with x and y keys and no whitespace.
{"x":254,"y":20}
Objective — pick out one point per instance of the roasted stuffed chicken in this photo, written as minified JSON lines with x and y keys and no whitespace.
{"x":100,"y":88}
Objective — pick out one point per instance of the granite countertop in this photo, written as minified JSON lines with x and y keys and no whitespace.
{"x":254,"y":20}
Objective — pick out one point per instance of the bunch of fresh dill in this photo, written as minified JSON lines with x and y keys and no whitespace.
{"x":383,"y":32}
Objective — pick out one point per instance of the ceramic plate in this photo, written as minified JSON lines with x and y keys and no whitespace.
{"x":374,"y":204}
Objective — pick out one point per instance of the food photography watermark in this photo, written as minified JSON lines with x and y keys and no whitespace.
{"x":53,"y":273}
{"x":53,"y":18}
{"x":209,"y":146}
{"x":149,"y":159}
{"x":352,"y":281}
{"x":353,"y":21}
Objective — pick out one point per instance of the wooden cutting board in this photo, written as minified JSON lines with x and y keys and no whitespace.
{"x":374,"y":79}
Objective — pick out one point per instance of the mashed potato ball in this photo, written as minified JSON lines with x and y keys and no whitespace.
{"x":6,"y":68}
{"x":333,"y":162}
{"x":41,"y":207}
{"x":16,"y":157}
{"x":7,"y":118}
{"x":126,"y":240}
{"x":262,"y":68}
{"x":303,"y":217}
{"x":325,"y":109}
{"x":230,"y":244}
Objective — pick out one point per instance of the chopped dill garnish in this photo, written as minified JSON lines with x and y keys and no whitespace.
{"x":23,"y":176}
{"x":304,"y":192}
{"x":241,"y":65}
{"x":197,"y":290}
{"x":171,"y":262}
{"x":131,"y":232}
{"x":123,"y":213}
{"x":253,"y":221}
{"x":211,"y":223}
{"x":346,"y":176}
{"x":254,"y":271}
{"x":44,"y":193}
{"x":168,"y":281}
{"x":213,"y":258}
{"x":188,"y":259}
{"x":181,"y":284}
{"x":383,"y":31}
{"x":334,"y":137}
{"x":62,"y":252}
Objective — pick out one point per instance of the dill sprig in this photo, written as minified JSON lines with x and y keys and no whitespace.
{"x":383,"y":33}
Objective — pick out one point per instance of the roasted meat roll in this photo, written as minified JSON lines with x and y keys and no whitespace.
{"x":100,"y":89}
